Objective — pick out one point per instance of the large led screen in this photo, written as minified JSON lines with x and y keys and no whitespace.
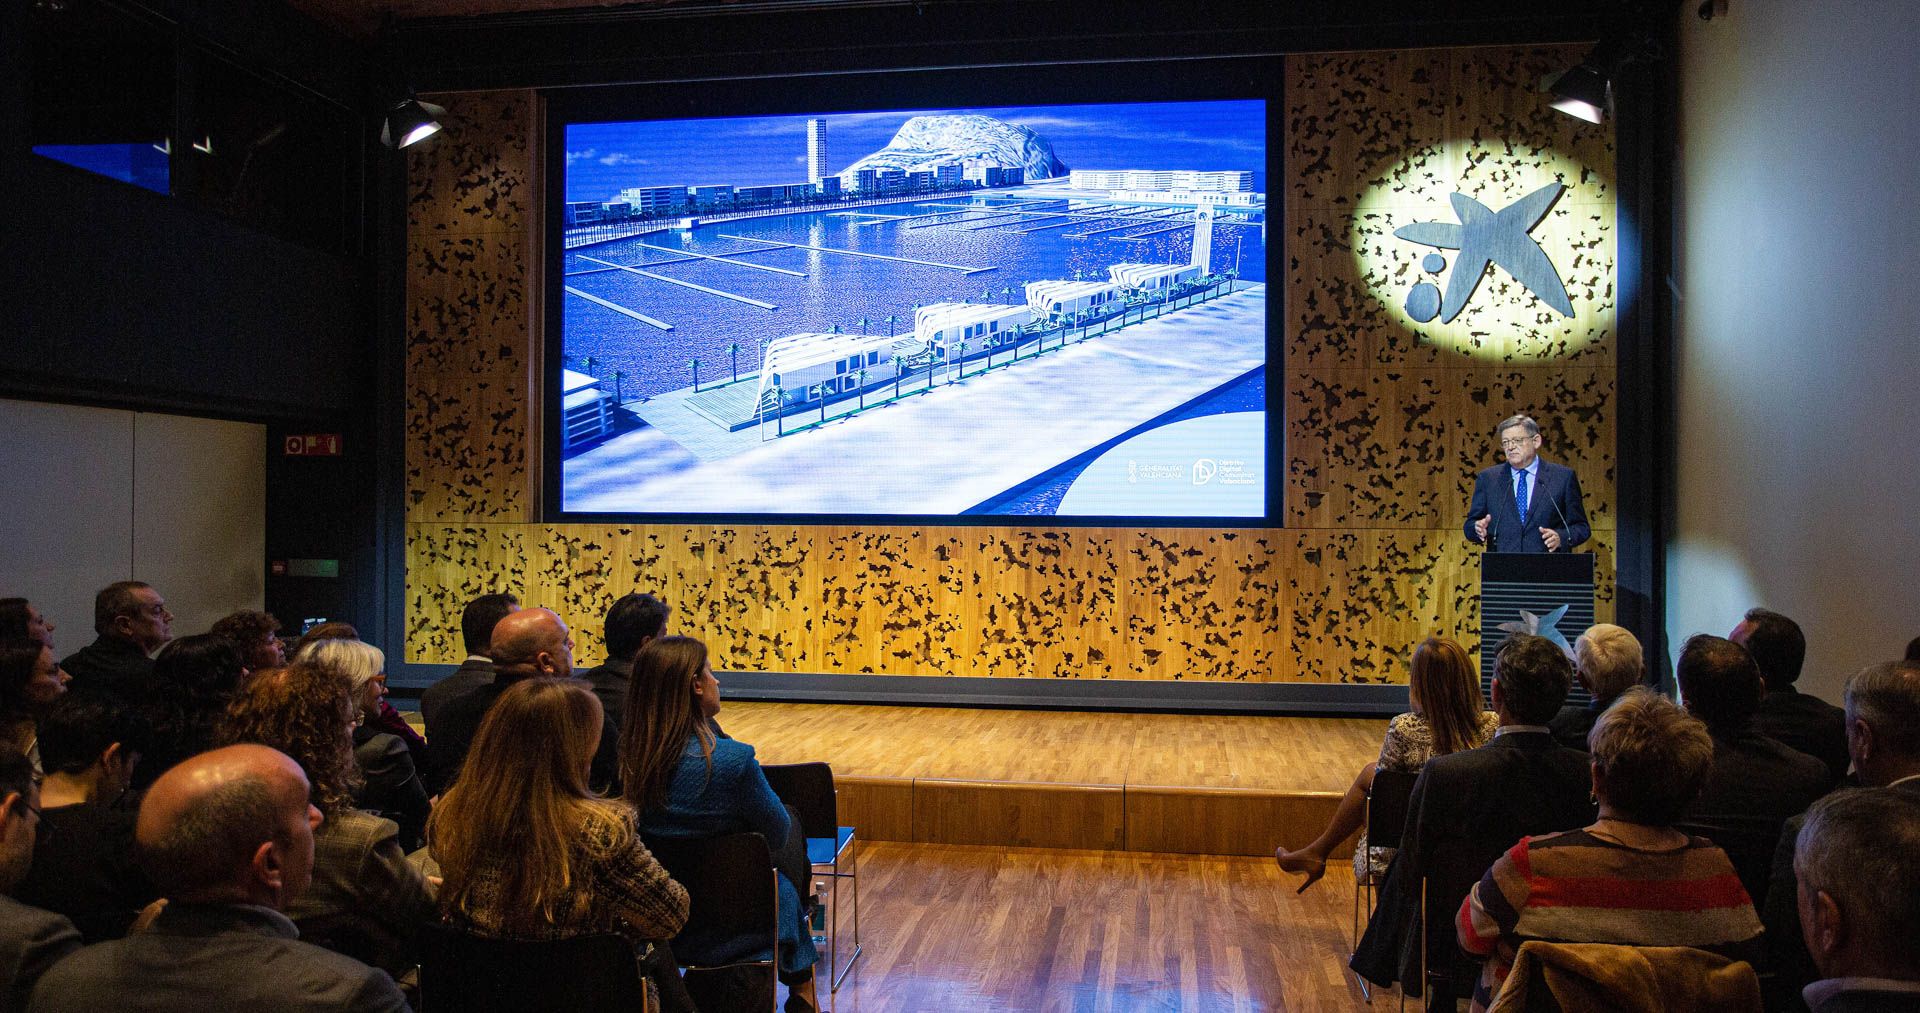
{"x":1037,"y":311}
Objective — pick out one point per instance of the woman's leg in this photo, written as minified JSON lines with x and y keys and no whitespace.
{"x":1347,"y":818}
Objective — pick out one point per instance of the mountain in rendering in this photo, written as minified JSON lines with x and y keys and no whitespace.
{"x":924,"y":142}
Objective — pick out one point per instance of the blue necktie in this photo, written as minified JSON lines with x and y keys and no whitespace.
{"x":1520,"y":497}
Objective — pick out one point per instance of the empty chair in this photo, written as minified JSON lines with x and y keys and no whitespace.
{"x":469,"y":973}
{"x":809,"y":789}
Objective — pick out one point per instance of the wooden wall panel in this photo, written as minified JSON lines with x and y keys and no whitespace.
{"x":1384,"y":423}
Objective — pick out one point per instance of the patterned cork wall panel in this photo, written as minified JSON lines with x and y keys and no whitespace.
{"x":468,"y":325}
{"x":1384,"y":422}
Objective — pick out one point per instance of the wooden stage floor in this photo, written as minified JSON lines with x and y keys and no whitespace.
{"x":1194,"y":784}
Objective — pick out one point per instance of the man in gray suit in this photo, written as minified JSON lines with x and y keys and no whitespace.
{"x":227,"y":836}
{"x":31,"y":940}
{"x":477,"y":621}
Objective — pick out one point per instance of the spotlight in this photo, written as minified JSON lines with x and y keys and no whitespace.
{"x":1582,"y":92}
{"x":409,"y":122}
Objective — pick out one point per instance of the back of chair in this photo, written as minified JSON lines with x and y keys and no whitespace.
{"x":733,"y":917}
{"x":1387,"y":806}
{"x":808,"y":788}
{"x":475,"y":974}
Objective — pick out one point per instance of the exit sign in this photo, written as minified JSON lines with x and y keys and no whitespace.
{"x":314,"y":445}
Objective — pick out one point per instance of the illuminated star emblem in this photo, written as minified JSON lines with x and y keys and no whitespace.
{"x":1494,"y":237}
{"x":1547,"y":626}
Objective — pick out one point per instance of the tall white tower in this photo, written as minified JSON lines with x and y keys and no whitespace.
{"x":1202,"y":237}
{"x":816,"y":149}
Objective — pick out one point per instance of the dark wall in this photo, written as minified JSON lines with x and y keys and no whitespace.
{"x":123,"y":297}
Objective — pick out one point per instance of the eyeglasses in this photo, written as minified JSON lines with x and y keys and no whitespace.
{"x":1521,"y":442}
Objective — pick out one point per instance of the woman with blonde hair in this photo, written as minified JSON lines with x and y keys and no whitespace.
{"x":527,"y":851}
{"x":390,"y":770}
{"x":689,"y":783}
{"x":365,"y":899}
{"x":1449,"y":714}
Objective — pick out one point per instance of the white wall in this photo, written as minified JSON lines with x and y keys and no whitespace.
{"x":1798,"y":461}
{"x":91,"y":496}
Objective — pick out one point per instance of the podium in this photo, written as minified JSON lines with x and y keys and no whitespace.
{"x":1540,"y":583}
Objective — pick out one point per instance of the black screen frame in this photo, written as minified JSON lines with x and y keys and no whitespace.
{"x":1176,"y":80}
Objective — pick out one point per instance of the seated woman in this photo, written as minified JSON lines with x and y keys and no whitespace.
{"x":365,"y":899}
{"x":689,"y":784}
{"x":30,"y":681}
{"x":1449,"y":715}
{"x":194,"y":678}
{"x":391,"y":779}
{"x":1606,"y":663}
{"x":528,"y":852}
{"x":1630,"y":877}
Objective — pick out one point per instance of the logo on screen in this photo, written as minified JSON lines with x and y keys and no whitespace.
{"x":1203,"y":470}
{"x":1484,"y":236}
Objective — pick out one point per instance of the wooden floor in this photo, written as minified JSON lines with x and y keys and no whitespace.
{"x":1064,"y":747}
{"x":1138,"y":782}
{"x":959,"y":928}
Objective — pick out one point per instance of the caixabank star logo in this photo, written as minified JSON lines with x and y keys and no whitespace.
{"x":1484,"y":236}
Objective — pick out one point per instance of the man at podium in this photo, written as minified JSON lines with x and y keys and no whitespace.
{"x":1525,"y":504}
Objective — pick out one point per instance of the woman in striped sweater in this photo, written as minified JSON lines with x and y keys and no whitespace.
{"x":1630,"y":877}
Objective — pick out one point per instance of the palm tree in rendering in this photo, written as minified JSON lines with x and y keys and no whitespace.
{"x":962,"y":360}
{"x":891,"y":320}
{"x":733,"y":350}
{"x":894,"y":361}
{"x":861,"y":379}
{"x":819,"y":391}
{"x":695,"y":365}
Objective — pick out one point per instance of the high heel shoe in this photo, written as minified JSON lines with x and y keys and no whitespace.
{"x":1301,"y":864}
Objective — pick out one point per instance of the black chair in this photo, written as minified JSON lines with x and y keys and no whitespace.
{"x":808,"y":788}
{"x":1386,"y":823}
{"x":733,"y":916}
{"x":468,"y":973}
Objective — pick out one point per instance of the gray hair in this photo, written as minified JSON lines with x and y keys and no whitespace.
{"x":1609,"y":657}
{"x":357,"y":660}
{"x":1862,"y":848}
{"x":1523,"y":421}
{"x":1887,"y":696}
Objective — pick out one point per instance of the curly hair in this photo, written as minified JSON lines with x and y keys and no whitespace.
{"x":305,"y":711}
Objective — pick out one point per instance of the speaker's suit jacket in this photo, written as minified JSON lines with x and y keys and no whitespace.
{"x":1553,"y":503}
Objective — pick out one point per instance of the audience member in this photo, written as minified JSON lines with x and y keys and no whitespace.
{"x":1607,"y":662}
{"x":1913,"y":647}
{"x":633,"y":622}
{"x":19,"y":620}
{"x":29,"y":682}
{"x":382,"y":717}
{"x":1798,"y":720}
{"x":391,"y":782}
{"x":477,"y":621}
{"x":228,"y":838}
{"x":1449,"y":715}
{"x":567,"y":863}
{"x":1755,"y":783}
{"x":31,"y":940}
{"x":335,"y":630}
{"x":1631,"y":877}
{"x":83,"y":865}
{"x":688,"y":783}
{"x":1858,"y":863}
{"x":257,"y":634}
{"x":527,"y":644}
{"x":132,"y":622}
{"x":1883,"y":736}
{"x":1469,"y":807}
{"x":193,"y":680}
{"x":366,"y":900}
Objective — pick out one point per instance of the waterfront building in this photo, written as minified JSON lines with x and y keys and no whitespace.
{"x":816,"y":149}
{"x":648,"y":200}
{"x":983,"y":173}
{"x":1160,"y":180}
{"x":981,"y":325}
{"x":947,"y":176}
{"x":581,"y":212}
{"x":710,"y":196}
{"x":773,"y":193}
{"x":615,"y":210}
{"x":827,"y":186}
{"x":809,"y":367}
{"x":1056,"y":299}
{"x":1152,"y":278}
{"x":920,"y":179}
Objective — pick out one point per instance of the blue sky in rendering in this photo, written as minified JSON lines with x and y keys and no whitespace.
{"x":752,"y":151}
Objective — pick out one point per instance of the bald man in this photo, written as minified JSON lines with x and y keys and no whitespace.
{"x":227,"y":836}
{"x":532,"y":643}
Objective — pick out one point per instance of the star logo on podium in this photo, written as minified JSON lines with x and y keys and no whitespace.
{"x":1547,"y":626}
